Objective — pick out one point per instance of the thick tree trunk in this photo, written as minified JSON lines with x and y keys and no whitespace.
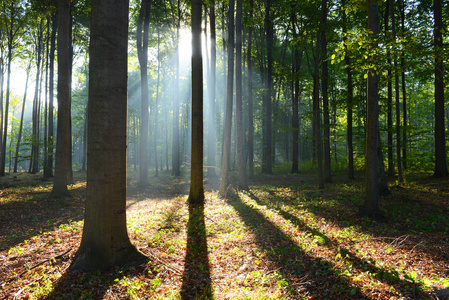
{"x":63,"y":137}
{"x":226,"y":158}
{"x":105,"y":242}
{"x":196,"y":194}
{"x":440,"y":141}
{"x":370,"y":206}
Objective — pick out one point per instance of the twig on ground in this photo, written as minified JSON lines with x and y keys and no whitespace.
{"x":38,"y":264}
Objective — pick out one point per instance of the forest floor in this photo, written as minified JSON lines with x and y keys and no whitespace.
{"x":281,"y":239}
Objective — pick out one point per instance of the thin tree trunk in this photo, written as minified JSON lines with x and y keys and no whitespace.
{"x":324,"y":87}
{"x":143,"y":24}
{"x":176,"y":164}
{"x":349,"y":114}
{"x":16,"y":160}
{"x":242,"y":180}
{"x":404,"y":94}
{"x":211,"y":146}
{"x":267,"y":105}
{"x":398,"y":107}
{"x":51,"y":142}
{"x":226,"y":160}
{"x":440,"y":141}
{"x":250,"y":97}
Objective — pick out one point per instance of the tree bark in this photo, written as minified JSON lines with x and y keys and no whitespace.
{"x":196,"y":194}
{"x":440,"y":141}
{"x":176,"y":164}
{"x":242,"y":180}
{"x":226,"y":160}
{"x":250,"y":96}
{"x":63,"y":137}
{"x":105,"y":242}
{"x":370,"y":206}
{"x":267,"y":167}
{"x":324,"y":87}
{"x":212,"y":143}
{"x":143,"y":24}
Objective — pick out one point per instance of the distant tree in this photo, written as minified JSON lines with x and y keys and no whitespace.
{"x":242,"y":181}
{"x":105,"y":242}
{"x":143,"y":24}
{"x":440,"y":141}
{"x":226,"y":157}
{"x":63,"y":137}
{"x":249,"y":62}
{"x":211,"y":146}
{"x":267,"y":166}
{"x":327,"y":176}
{"x":176,"y":159}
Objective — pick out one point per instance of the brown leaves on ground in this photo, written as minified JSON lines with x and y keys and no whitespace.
{"x":283,"y":238}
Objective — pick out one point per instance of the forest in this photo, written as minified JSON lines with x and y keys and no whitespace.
{"x":210,"y":149}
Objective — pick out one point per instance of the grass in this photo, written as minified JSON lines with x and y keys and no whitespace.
{"x":281,"y":239}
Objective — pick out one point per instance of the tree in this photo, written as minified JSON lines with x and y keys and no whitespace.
{"x":176,"y":164}
{"x":267,"y":100}
{"x":242,"y":182}
{"x":250,"y":144}
{"x":196,"y":194}
{"x":143,"y":24}
{"x":440,"y":141}
{"x":324,"y":87}
{"x":211,"y":146}
{"x":63,"y":137}
{"x":226,"y":157}
{"x":105,"y":242}
{"x":370,"y":206}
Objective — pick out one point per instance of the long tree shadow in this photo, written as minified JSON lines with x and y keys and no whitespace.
{"x":383,"y":274}
{"x":196,"y":280}
{"x":293,"y":262}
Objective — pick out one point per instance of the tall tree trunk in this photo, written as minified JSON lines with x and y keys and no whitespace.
{"x":389,"y":98}
{"x":211,"y":146}
{"x":316,"y":99}
{"x":267,"y":100}
{"x":50,"y":143}
{"x":226,"y":158}
{"x":440,"y":141}
{"x":295,"y":116}
{"x":398,"y":107}
{"x":176,"y":164}
{"x":63,"y":136}
{"x":349,"y":114}
{"x":10,"y":34}
{"x":19,"y":137}
{"x":370,"y":206}
{"x":250,"y":96}
{"x":156,"y":109}
{"x":196,"y":194}
{"x":105,"y":242}
{"x":325,"y":86}
{"x":242,"y":180}
{"x":143,"y":24}
{"x":404,"y":93}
